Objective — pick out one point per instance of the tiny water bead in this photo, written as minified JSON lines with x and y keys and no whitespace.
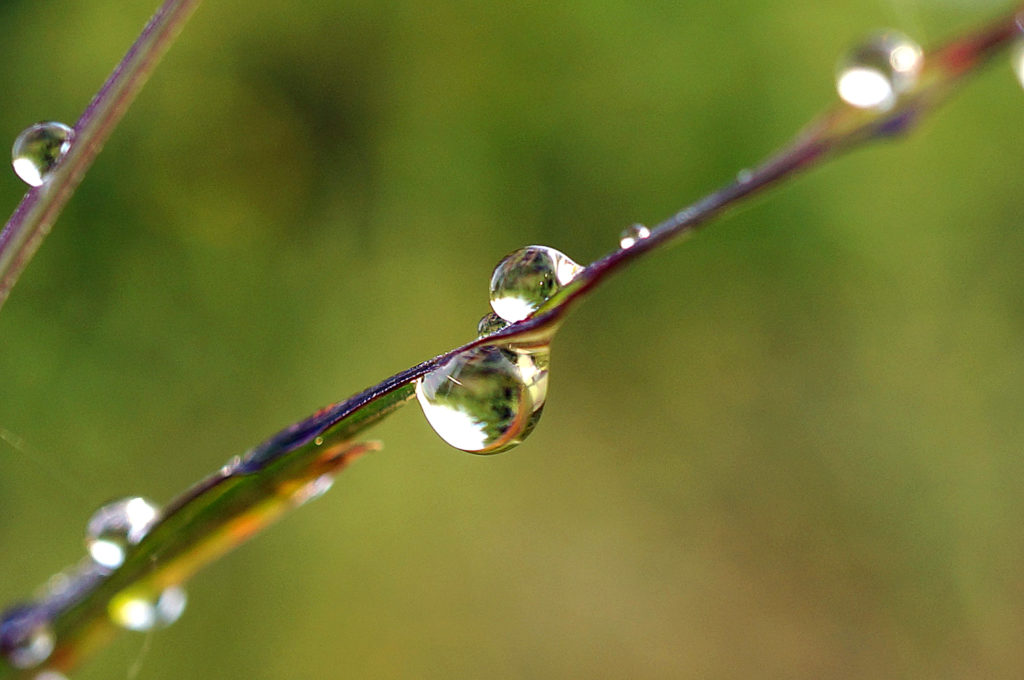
{"x":49,"y":675}
{"x":486,"y":399}
{"x":117,"y":526}
{"x":38,"y":148}
{"x":142,"y":612}
{"x":874,"y":74}
{"x":27,"y":640}
{"x":527,"y":278}
{"x":1017,"y":60}
{"x":632,"y":234}
{"x":490,"y":324}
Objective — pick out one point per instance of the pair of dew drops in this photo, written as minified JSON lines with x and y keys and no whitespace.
{"x":110,"y":533}
{"x":489,"y":398}
{"x":872,"y":75}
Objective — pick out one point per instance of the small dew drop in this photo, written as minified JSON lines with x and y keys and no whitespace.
{"x":117,"y":526}
{"x":27,"y":642}
{"x":874,"y":74}
{"x":49,"y":675}
{"x":1017,"y":60}
{"x":313,"y":489}
{"x":632,"y":234}
{"x":38,"y":149}
{"x":527,"y":278}
{"x":138,"y":612}
{"x":487,"y":399}
{"x":490,"y":324}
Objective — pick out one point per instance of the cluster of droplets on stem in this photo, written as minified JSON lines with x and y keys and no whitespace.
{"x":876,"y":73}
{"x":27,"y":638}
{"x":38,"y":149}
{"x":489,"y":398}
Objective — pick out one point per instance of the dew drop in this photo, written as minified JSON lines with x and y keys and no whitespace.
{"x":874,"y":74}
{"x":26,"y":639}
{"x":490,"y":324}
{"x":37,"y":150}
{"x":140,"y":612}
{"x":313,"y":489}
{"x":1017,"y":60}
{"x":631,"y":234}
{"x":49,"y":675}
{"x":117,"y":526}
{"x":487,"y":399}
{"x":527,"y":278}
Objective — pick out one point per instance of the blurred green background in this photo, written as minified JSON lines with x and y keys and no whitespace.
{"x":789,"y":447}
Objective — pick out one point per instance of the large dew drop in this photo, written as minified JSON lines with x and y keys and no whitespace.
{"x":140,"y":612}
{"x":37,"y":150}
{"x":487,"y":399}
{"x":526,"y":279}
{"x":874,"y":74}
{"x":117,"y":526}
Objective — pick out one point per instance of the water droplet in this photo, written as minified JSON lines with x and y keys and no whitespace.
{"x":139,"y":612}
{"x":1017,"y":60}
{"x":313,"y":489}
{"x":526,"y":279}
{"x":490,"y":323}
{"x":50,"y":675}
{"x":874,"y":74}
{"x":26,"y":637}
{"x":117,"y":526}
{"x":631,"y":234}
{"x":38,"y":148}
{"x":487,"y":399}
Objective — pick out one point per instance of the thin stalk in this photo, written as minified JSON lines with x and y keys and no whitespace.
{"x":40,"y":207}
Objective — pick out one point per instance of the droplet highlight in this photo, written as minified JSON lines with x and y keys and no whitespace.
{"x":632,"y":234}
{"x":26,"y":639}
{"x":527,"y":278}
{"x":38,"y":149}
{"x":313,"y":489}
{"x":1017,"y":60}
{"x":874,"y":74}
{"x":142,"y":612}
{"x":116,"y":527}
{"x":50,"y":675}
{"x":487,"y":399}
{"x":490,"y":324}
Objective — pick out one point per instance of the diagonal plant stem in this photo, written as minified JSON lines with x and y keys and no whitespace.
{"x":246,"y":494}
{"x":41,"y":206}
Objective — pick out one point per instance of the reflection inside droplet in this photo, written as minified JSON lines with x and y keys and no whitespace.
{"x":527,"y":278}
{"x":38,"y":149}
{"x":487,"y":399}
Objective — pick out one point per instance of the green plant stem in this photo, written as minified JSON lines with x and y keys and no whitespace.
{"x":39,"y":209}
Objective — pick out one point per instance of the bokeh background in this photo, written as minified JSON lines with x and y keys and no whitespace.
{"x":789,"y":447}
